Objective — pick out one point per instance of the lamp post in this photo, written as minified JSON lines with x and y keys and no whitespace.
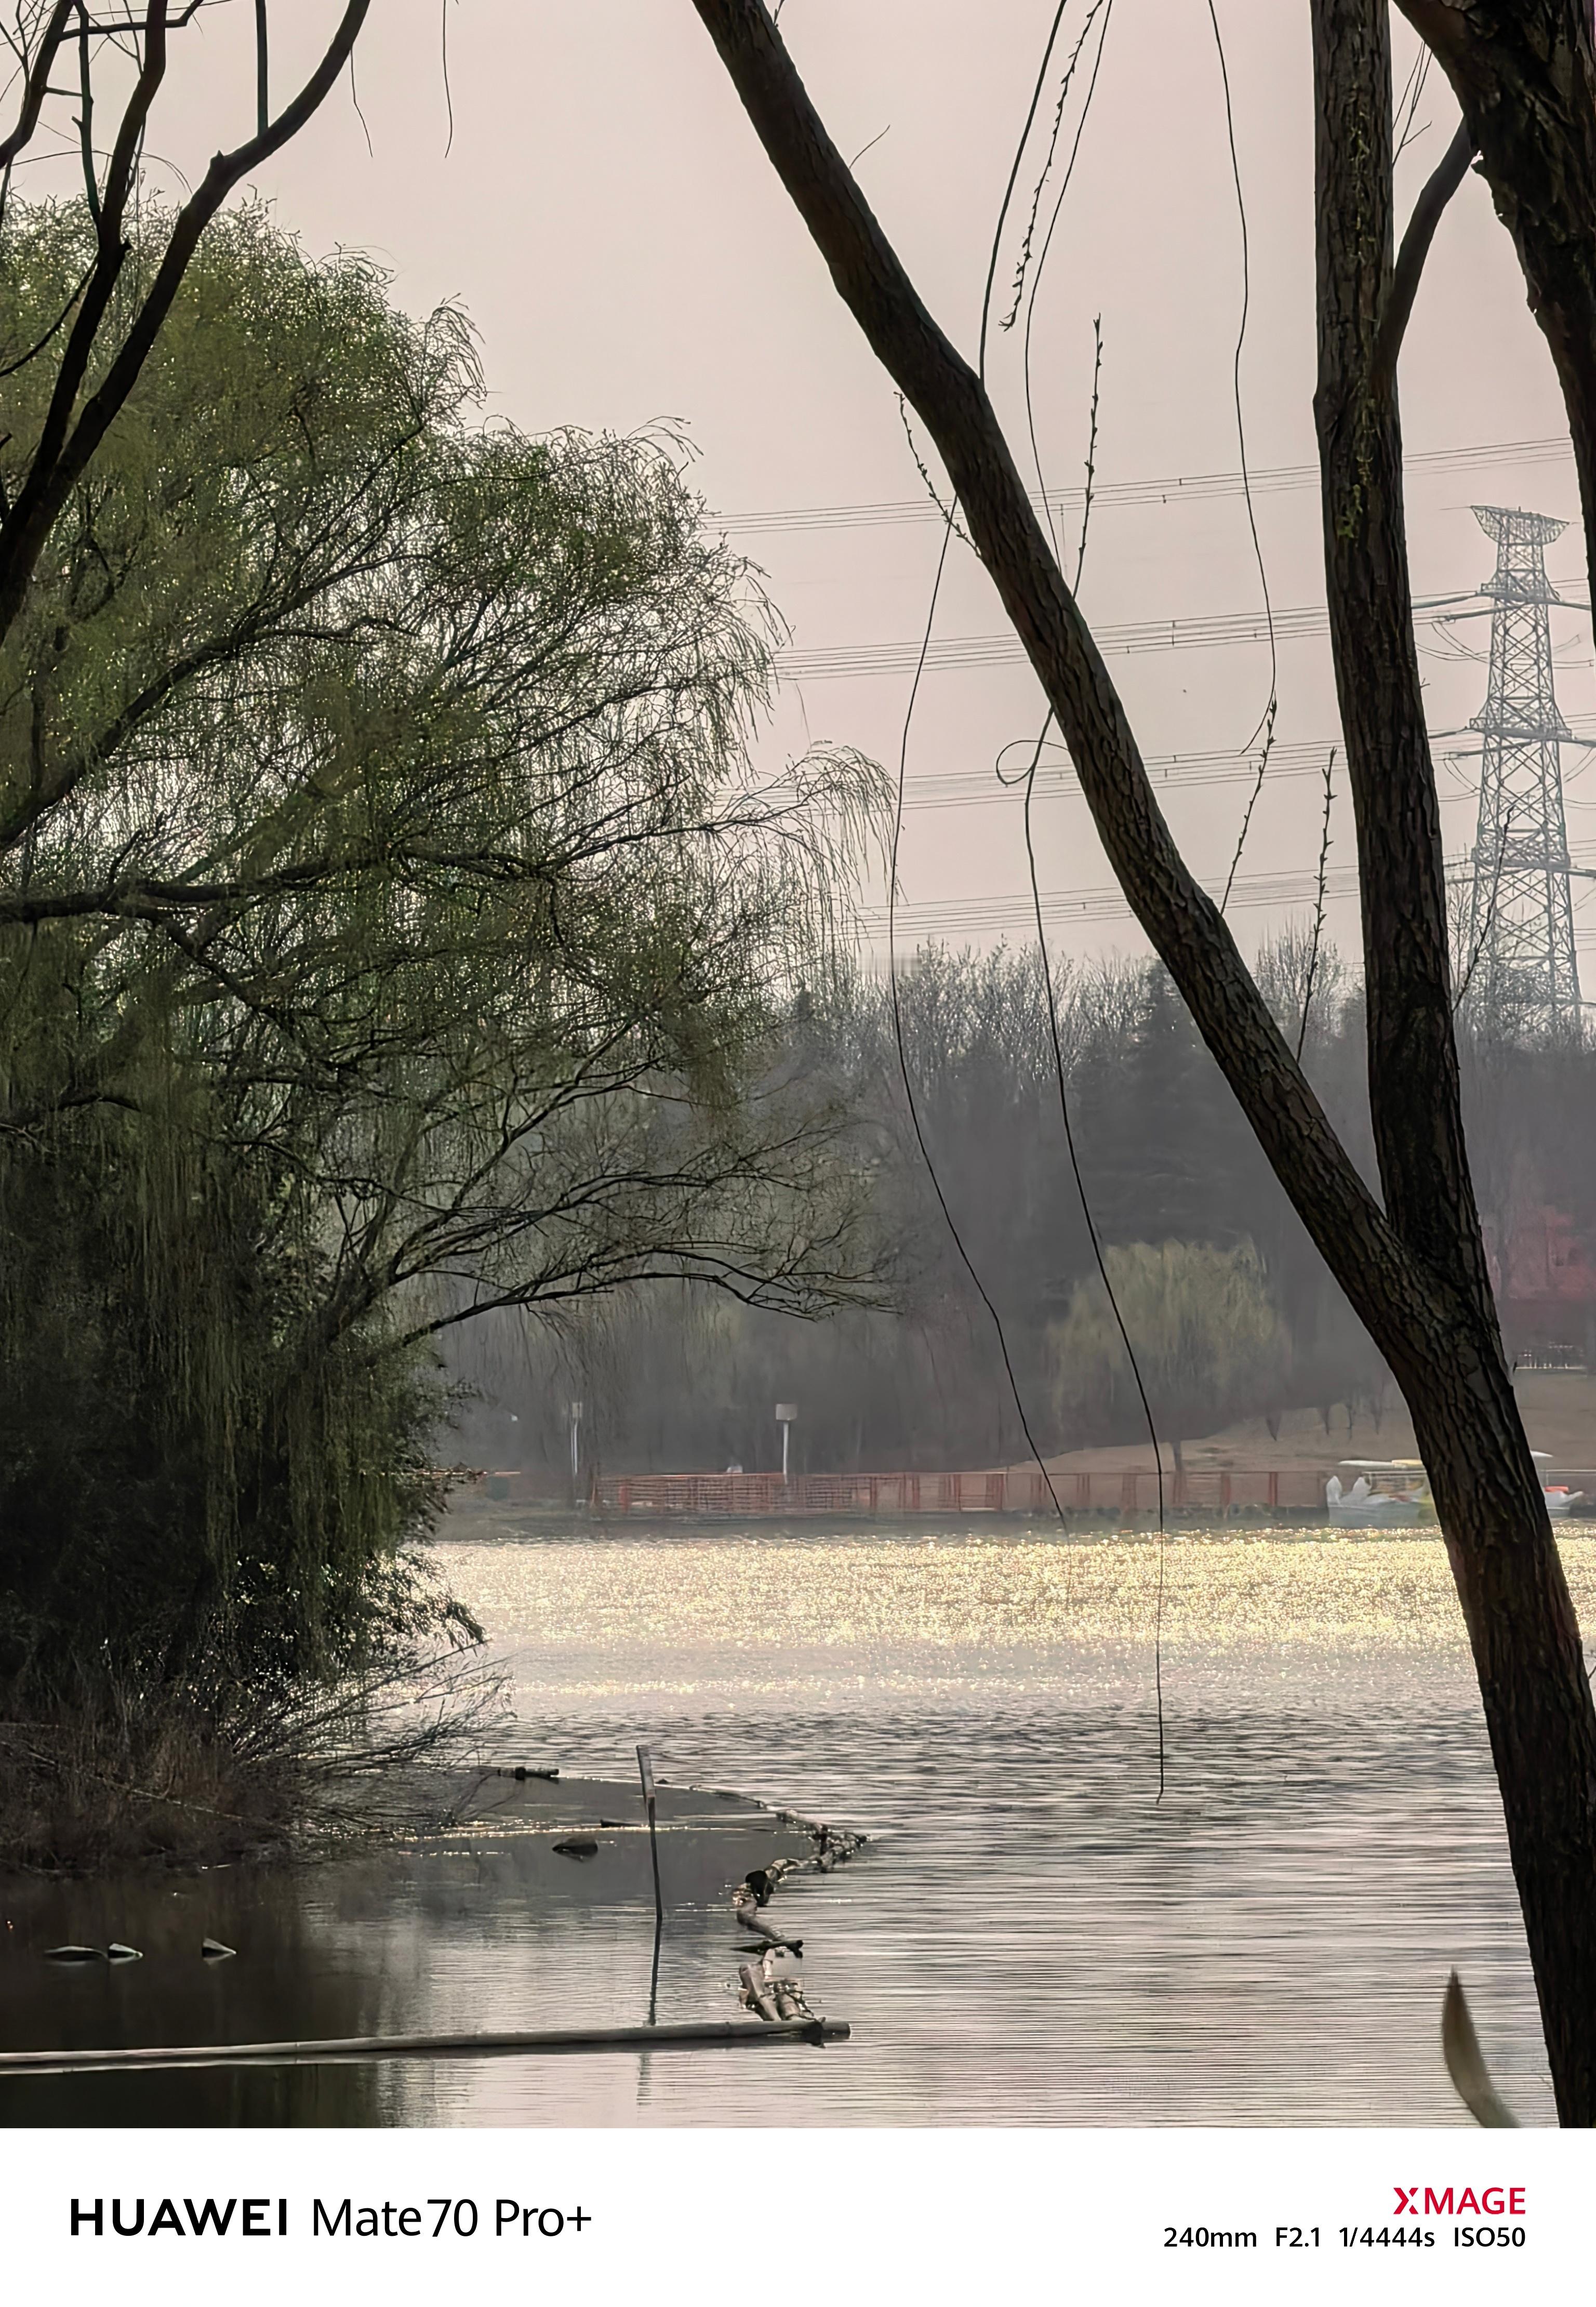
{"x":785,"y":1412}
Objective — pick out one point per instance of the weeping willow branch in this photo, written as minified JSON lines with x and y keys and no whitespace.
{"x":397,"y":927}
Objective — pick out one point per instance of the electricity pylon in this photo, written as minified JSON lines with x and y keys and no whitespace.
{"x":1523,"y":974}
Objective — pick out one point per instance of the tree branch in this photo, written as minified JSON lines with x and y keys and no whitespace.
{"x":63,"y":455}
{"x":1392,"y":1293}
{"x":262,"y":77}
{"x":1428,"y":209}
{"x":86,"y":118}
{"x":151,"y":900}
{"x":35,"y":87}
{"x":1525,"y":79}
{"x":1414,"y":1098}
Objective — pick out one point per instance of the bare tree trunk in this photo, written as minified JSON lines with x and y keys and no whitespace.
{"x":1515,"y":1602}
{"x":1526,"y":76}
{"x":1414,"y":1270}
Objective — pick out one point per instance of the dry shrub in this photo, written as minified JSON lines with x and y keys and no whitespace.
{"x":133,"y":1779}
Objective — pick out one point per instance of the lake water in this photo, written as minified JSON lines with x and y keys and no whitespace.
{"x":1032,"y":1936}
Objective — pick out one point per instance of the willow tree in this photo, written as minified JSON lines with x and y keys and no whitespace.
{"x":392,"y":927}
{"x":1409,"y":1257}
{"x":90,"y":84}
{"x":1209,"y":1339}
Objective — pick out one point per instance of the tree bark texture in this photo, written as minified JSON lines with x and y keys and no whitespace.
{"x":1414,"y":1271}
{"x":1414,"y":1094}
{"x":1524,"y":73}
{"x":1515,"y":1599}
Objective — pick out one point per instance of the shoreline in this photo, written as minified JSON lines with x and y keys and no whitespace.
{"x":485,"y":1523}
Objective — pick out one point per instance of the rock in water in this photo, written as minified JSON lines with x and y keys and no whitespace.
{"x":213,"y":1951}
{"x":117,"y":1952}
{"x":73,"y":1954}
{"x":577,"y":1846}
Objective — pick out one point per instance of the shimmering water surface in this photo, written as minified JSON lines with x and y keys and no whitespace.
{"x":1031,"y":1936}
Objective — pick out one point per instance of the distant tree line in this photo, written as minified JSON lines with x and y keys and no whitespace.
{"x":1231,"y":1309}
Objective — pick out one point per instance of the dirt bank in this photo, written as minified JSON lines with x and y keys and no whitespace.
{"x":1559,"y":1412}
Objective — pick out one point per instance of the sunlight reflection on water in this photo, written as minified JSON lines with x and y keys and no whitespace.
{"x":1031,"y":1936}
{"x":1036,"y":1938}
{"x":967,"y":1594}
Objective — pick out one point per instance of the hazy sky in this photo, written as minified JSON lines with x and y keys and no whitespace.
{"x":605,"y":215}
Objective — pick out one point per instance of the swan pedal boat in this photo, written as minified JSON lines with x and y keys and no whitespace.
{"x":1394,"y":1494}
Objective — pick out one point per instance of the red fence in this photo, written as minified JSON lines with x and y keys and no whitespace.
{"x":1016,"y":1491}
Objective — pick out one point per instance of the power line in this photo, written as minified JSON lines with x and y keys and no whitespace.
{"x":975,"y":916}
{"x":1177,"y":488}
{"x":981,"y":916}
{"x":1186,"y":772}
{"x":968,"y":652}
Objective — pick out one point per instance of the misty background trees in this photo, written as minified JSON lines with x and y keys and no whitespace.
{"x":1231,"y":1310}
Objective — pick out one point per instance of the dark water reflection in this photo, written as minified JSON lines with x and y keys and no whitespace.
{"x":1031,"y":1937}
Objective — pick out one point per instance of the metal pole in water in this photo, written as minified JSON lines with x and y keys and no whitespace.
{"x":646,"y":1772}
{"x":654,"y":1973}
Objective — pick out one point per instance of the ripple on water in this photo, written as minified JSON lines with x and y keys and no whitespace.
{"x":1033,"y":1937}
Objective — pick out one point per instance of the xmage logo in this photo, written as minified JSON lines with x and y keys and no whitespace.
{"x":1459,"y":2202}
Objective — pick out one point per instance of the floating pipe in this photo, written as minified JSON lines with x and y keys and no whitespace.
{"x":684,"y":2037}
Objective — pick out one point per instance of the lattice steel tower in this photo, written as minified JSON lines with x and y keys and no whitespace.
{"x":1520,"y":916}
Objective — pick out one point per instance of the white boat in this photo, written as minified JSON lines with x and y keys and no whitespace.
{"x":1559,"y":1498}
{"x":1398,"y":1497}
